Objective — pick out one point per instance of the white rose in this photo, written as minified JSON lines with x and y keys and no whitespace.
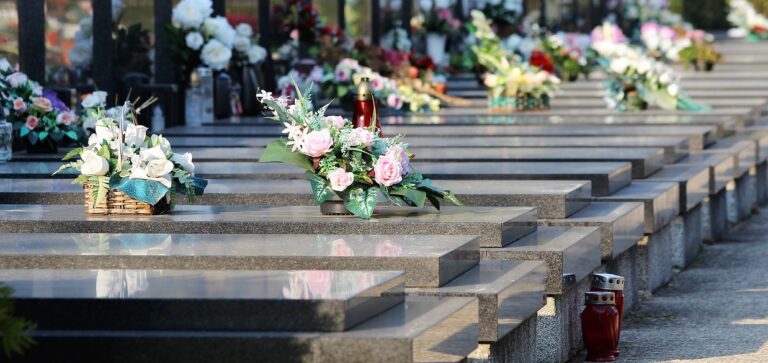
{"x":105,"y":133}
{"x":244,"y":30}
{"x":102,"y":96}
{"x":665,"y":78}
{"x":163,"y":143}
{"x":220,"y":29}
{"x":159,"y":168}
{"x":154,"y":153}
{"x":643,"y":66}
{"x":216,"y":55}
{"x":93,"y":164}
{"x":619,"y":65}
{"x":190,"y":14}
{"x":135,"y":135}
{"x":242,"y":44}
{"x":673,"y":89}
{"x":185,"y":161}
{"x":256,"y":54}
{"x":5,"y":66}
{"x":138,"y":172}
{"x":194,"y":40}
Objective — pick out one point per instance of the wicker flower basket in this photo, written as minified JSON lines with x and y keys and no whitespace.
{"x":117,"y":203}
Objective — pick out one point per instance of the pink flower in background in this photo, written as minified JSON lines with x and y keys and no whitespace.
{"x":667,"y":33}
{"x":32,"y":122}
{"x":340,"y":179}
{"x":319,"y":282}
{"x":335,"y":121}
{"x":17,"y":79}
{"x":19,"y":105}
{"x":317,"y":143}
{"x":342,"y":75}
{"x":387,"y":248}
{"x":377,"y":84}
{"x":394,"y":101}
{"x":649,"y":28}
{"x":65,"y":118}
{"x":42,"y":104}
{"x":340,"y":247}
{"x":294,"y":34}
{"x":444,"y":14}
{"x":697,"y":35}
{"x":387,"y":171}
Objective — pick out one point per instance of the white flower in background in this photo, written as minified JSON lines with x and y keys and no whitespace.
{"x":425,"y":5}
{"x":256,"y":54}
{"x":242,"y":44}
{"x":81,"y":54}
{"x":244,"y":30}
{"x":86,"y":28}
{"x":665,"y":78}
{"x":95,"y":99}
{"x":216,"y":55}
{"x":185,"y":161}
{"x":159,"y":168}
{"x":194,"y":40}
{"x":190,"y":14}
{"x":643,"y":66}
{"x":673,"y":89}
{"x":443,"y":4}
{"x":17,"y":79}
{"x":93,"y":164}
{"x":619,"y":65}
{"x":117,"y":9}
{"x":220,"y":29}
{"x":135,"y":135}
{"x":5,"y":65}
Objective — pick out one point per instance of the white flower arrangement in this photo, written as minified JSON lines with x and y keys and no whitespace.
{"x":197,"y":37}
{"x":125,"y":158}
{"x":747,"y":21}
{"x":246,"y":50}
{"x":663,"y":41}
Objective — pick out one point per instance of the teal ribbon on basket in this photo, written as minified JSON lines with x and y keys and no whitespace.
{"x":147,"y":191}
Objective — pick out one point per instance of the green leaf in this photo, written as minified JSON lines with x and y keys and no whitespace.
{"x":452,"y":198}
{"x":102,"y":188}
{"x":32,"y":136}
{"x":361,"y":202}
{"x":278,"y":152}
{"x":42,"y":135}
{"x":72,"y":153}
{"x":23,"y":132}
{"x":434,"y":200}
{"x":321,"y":188}
{"x":413,"y":197}
{"x":342,"y":91}
{"x":72,"y":134}
{"x":104,"y":152}
{"x":81,"y":179}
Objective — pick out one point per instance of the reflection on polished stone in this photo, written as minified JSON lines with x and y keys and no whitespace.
{"x":427,"y":260}
{"x":211,"y":300}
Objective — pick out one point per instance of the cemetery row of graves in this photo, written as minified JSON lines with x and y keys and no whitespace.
{"x":516,"y":222}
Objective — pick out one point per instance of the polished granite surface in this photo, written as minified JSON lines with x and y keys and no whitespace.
{"x":661,"y":202}
{"x":496,"y":226}
{"x":428,"y":261}
{"x":119,"y":299}
{"x":621,"y":225}
{"x":722,"y":168}
{"x":694,"y":181}
{"x":566,"y":250}
{"x":552,"y":198}
{"x":606,"y":177}
{"x":509,"y":292}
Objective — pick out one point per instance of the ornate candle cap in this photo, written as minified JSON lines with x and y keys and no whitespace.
{"x":607,"y":281}
{"x":599,"y":298}
{"x":364,"y":91}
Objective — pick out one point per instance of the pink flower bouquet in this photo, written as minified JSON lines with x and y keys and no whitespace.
{"x":355,"y":165}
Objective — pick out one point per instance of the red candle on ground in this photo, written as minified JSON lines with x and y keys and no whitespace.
{"x":615,"y":284}
{"x":599,"y":326}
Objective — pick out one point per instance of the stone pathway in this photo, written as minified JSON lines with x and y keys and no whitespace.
{"x":715,"y":311}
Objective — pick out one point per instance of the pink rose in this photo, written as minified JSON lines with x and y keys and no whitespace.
{"x":399,"y":154}
{"x":377,"y":84}
{"x":65,"y":118}
{"x":317,"y":143}
{"x":648,"y":28}
{"x":394,"y":101}
{"x":340,"y":247}
{"x":19,"y":105}
{"x":335,"y":121}
{"x":32,"y":122}
{"x":667,"y":33}
{"x":340,"y":179}
{"x":342,"y":75}
{"x":388,"y":171}
{"x":387,"y":248}
{"x":362,"y":137}
{"x":42,"y":104}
